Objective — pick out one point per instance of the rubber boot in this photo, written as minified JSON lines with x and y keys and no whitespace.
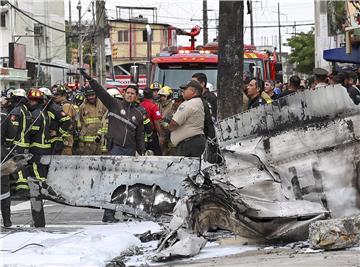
{"x":109,"y":216}
{"x":5,"y":211}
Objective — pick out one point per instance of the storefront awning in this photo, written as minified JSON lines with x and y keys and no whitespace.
{"x":339,"y":55}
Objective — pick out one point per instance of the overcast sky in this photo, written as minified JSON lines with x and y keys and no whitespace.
{"x":187,"y":13}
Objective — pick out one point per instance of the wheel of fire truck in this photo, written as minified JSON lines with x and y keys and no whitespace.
{"x":149,"y":199}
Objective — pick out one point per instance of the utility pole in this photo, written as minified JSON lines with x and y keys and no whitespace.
{"x":251,"y":23}
{"x":80,"y":49}
{"x":230,"y":66}
{"x":100,"y":41}
{"x":70,"y":33}
{"x":205,"y":22}
{"x":279,"y":26}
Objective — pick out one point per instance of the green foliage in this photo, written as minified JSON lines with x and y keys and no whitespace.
{"x":303,"y":51}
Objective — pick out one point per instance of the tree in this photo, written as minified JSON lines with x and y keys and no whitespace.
{"x":230,"y":66}
{"x":303,"y":51}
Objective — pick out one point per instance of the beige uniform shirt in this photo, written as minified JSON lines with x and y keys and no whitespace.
{"x":190,"y":118}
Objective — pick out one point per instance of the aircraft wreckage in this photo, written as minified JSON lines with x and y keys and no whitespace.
{"x":285,"y":165}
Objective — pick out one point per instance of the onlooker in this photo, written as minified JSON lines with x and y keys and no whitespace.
{"x":349,"y":83}
{"x":187,"y":124}
{"x":253,"y":92}
{"x":269,"y":89}
{"x":293,"y":85}
{"x":206,"y":94}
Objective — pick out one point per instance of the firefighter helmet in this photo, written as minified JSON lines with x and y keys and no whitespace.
{"x":46,"y":91}
{"x":35,"y":94}
{"x":58,"y":90}
{"x":79,"y":99}
{"x":166,"y":91}
{"x":18,"y":92}
{"x":89,"y":91}
{"x":155,"y":86}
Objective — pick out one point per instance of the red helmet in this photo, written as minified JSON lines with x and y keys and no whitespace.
{"x":35,"y":94}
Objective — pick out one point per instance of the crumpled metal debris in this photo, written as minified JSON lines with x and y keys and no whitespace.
{"x":335,"y":234}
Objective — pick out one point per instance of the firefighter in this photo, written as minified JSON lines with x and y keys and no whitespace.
{"x":5,"y":183}
{"x":18,"y":135}
{"x":60,"y":122}
{"x":20,"y":120}
{"x":165,"y":107}
{"x":39,"y":134}
{"x":155,"y":87}
{"x":60,"y":98}
{"x":91,"y":113}
{"x":155,"y":117}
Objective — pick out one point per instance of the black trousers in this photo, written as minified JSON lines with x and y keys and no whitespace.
{"x":191,"y":147}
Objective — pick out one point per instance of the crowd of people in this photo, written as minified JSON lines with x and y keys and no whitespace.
{"x":155,"y":121}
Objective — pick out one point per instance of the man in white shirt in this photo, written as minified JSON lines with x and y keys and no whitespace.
{"x":187,"y":124}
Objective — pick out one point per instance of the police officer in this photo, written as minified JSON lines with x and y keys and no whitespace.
{"x":60,"y":122}
{"x":187,"y":124}
{"x":321,"y":79}
{"x":91,"y":113}
{"x":67,"y":131}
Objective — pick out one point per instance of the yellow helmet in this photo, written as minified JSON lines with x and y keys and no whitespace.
{"x":155,"y":86}
{"x":166,"y":91}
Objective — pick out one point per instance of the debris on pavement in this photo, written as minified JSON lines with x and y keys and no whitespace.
{"x":336,"y":233}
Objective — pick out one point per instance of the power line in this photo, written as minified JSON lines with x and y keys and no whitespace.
{"x":41,"y":23}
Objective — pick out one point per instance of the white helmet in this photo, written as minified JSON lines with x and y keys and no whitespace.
{"x":114,"y":93}
{"x":46,"y":91}
{"x":18,"y":92}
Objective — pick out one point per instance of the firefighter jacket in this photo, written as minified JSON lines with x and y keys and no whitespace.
{"x":90,"y":117}
{"x":18,"y":132}
{"x":103,"y":133}
{"x":126,"y":126}
{"x":60,"y":122}
{"x":72,"y":112}
{"x":148,"y":128}
{"x":40,"y":143}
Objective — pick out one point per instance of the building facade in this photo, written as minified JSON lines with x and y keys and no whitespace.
{"x":129,"y":40}
{"x":44,"y":43}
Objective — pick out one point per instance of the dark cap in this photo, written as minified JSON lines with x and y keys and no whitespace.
{"x":192,"y":83}
{"x":320,"y":72}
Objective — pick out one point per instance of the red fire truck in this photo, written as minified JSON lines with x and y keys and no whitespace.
{"x":175,"y":65}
